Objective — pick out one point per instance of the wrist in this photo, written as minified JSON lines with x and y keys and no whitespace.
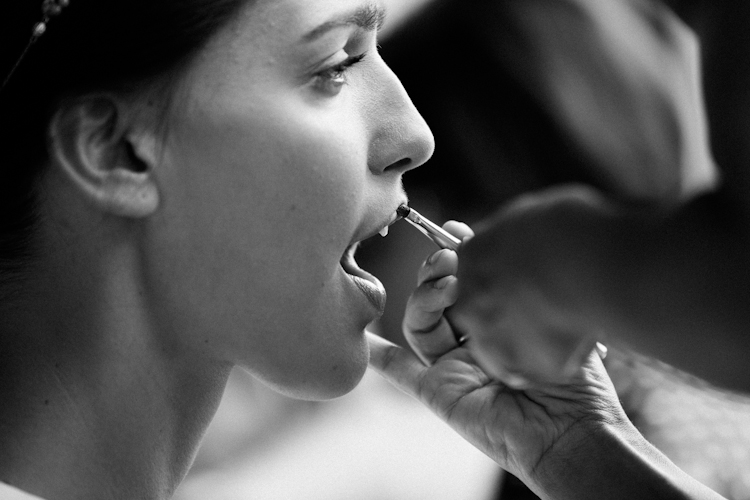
{"x":579,"y":451}
{"x":611,"y":460}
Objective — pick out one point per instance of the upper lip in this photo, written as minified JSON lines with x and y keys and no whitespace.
{"x":370,"y":230}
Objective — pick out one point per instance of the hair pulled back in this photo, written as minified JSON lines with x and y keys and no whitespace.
{"x":94,"y":45}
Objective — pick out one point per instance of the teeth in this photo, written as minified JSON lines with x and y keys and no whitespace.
{"x":384,"y":232}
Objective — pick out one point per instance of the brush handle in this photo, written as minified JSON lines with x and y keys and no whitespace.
{"x":440,"y":236}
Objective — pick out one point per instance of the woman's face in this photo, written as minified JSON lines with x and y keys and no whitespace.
{"x":287,"y":147}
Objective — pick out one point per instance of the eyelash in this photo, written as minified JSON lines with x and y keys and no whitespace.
{"x":334,"y":78}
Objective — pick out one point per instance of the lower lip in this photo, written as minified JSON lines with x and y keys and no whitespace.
{"x":374,"y":291}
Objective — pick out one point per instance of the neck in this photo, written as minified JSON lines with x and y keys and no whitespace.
{"x":94,"y":404}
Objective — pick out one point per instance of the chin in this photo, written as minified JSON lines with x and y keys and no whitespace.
{"x":334,"y":388}
{"x":330,"y":379}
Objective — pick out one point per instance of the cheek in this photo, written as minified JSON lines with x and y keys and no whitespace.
{"x":309,"y":177}
{"x":259,"y":207}
{"x":291,"y":165}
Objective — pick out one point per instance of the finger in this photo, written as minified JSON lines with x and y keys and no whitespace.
{"x":602,"y":350}
{"x":426,"y":305}
{"x":429,"y":346}
{"x":459,"y":230}
{"x":396,"y":364}
{"x":441,"y":263}
{"x":425,"y":328}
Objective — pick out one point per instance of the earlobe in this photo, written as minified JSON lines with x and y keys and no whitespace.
{"x":108,"y":152}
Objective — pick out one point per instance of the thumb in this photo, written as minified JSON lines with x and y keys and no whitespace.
{"x":397,"y":365}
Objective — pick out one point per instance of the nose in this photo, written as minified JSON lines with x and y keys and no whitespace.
{"x":401,"y":139}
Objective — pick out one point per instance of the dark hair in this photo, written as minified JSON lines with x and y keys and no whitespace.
{"x":93,"y":45}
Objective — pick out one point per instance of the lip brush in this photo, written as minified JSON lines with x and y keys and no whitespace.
{"x":440,"y":236}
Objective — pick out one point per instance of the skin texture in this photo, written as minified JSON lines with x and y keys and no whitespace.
{"x":304,"y":167}
{"x":172,"y":250}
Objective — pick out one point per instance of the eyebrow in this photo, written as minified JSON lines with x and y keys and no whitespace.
{"x":369,"y":17}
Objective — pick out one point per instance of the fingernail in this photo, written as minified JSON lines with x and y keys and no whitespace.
{"x":443,"y":282}
{"x":432,"y":258}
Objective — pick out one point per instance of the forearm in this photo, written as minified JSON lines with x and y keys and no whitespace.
{"x":614,"y":463}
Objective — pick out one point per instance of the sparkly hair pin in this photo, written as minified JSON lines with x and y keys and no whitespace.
{"x":50,"y":9}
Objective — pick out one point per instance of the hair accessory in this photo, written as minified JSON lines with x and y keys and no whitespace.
{"x":50,"y":9}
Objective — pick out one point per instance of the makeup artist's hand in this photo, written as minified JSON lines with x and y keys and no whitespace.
{"x":520,"y":430}
{"x":425,"y":328}
{"x":564,"y":441}
{"x":522,"y":330}
{"x":526,"y":285}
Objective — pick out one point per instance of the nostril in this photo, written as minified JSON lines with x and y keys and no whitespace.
{"x":402,"y":165}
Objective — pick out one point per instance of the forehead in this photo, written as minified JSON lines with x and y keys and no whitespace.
{"x":305,"y":20}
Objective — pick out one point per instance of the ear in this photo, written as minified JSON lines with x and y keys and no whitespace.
{"x":109,"y":152}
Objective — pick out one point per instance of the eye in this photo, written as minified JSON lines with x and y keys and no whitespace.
{"x":330,"y":80}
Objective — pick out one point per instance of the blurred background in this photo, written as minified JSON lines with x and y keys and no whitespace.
{"x":521,"y":95}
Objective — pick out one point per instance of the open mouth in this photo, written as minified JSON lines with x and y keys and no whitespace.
{"x":366,"y":282}
{"x":349,"y":263}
